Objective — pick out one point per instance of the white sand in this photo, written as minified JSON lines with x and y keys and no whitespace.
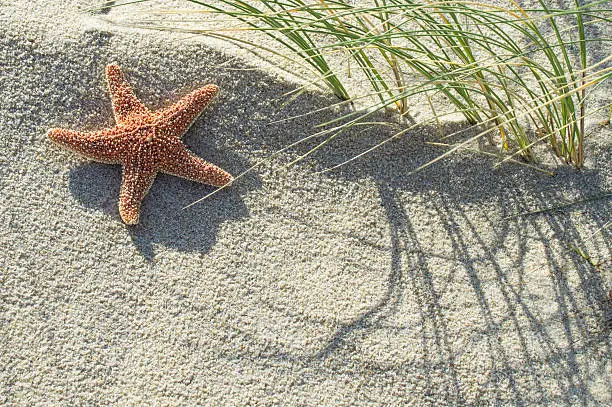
{"x":363,"y":286}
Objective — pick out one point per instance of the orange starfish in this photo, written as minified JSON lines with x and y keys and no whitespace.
{"x":145,"y":142}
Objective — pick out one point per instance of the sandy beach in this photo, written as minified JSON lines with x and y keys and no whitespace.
{"x":363,"y":286}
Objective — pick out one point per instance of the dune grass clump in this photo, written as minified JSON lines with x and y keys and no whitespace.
{"x":522,"y":75}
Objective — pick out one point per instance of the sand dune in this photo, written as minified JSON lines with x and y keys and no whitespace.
{"x":361,"y":286}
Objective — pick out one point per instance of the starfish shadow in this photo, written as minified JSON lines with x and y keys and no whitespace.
{"x":163,"y":220}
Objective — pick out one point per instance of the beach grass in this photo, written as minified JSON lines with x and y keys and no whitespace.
{"x":522,"y":76}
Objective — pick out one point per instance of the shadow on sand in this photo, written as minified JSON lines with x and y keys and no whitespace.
{"x":449,"y":188}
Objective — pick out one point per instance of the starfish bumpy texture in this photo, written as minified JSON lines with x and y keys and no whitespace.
{"x":145,"y":142}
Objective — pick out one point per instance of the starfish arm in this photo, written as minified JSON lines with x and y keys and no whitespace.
{"x":125,"y":103}
{"x":177,"y":118}
{"x":135,"y":185}
{"x":103,"y":146}
{"x":186,"y":165}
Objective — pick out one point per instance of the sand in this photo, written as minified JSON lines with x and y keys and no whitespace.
{"x":362,"y":286}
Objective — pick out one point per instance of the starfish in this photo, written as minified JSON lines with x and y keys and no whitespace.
{"x":145,"y":143}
